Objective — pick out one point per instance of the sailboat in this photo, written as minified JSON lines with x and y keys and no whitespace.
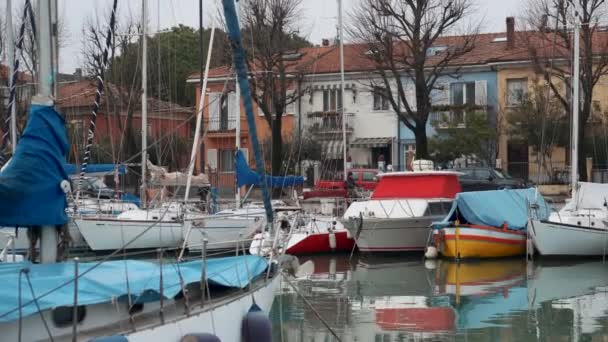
{"x":124,"y":300}
{"x":580,"y":228}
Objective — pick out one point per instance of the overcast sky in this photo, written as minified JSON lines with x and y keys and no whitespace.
{"x":318,"y":20}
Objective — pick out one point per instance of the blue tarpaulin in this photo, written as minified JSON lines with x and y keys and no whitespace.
{"x":73,"y":169}
{"x":107,"y":281}
{"x":246,"y":176}
{"x":497,"y":207}
{"x":30,"y":192}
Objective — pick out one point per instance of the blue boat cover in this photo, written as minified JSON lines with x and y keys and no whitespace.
{"x":497,"y":207}
{"x":73,"y":169}
{"x":246,"y":176}
{"x":30,"y":191}
{"x":491,"y":310}
{"x":107,"y":281}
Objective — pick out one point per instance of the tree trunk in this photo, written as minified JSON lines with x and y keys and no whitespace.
{"x":277,"y":147}
{"x":421,"y":142}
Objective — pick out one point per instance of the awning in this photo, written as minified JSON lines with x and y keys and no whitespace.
{"x":371,"y":142}
{"x":333,"y":149}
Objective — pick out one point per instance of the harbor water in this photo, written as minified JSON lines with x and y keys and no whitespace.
{"x":404,"y":298}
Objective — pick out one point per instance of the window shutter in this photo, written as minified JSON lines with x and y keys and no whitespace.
{"x":481,"y":93}
{"x":212,"y":158}
{"x":233,"y":110}
{"x":410,"y":95}
{"x":214,"y":112}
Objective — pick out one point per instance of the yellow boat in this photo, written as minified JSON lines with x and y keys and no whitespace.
{"x":474,"y":241}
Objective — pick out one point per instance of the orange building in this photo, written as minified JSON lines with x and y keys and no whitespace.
{"x":220,"y":115}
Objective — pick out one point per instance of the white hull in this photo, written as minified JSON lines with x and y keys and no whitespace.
{"x":394,"y":234}
{"x":553,"y":238}
{"x":112,"y":234}
{"x":222,"y":318}
{"x":223,"y":233}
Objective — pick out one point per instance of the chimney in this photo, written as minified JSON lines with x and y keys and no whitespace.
{"x":325,"y":42}
{"x":510,"y":32}
{"x":78,"y":74}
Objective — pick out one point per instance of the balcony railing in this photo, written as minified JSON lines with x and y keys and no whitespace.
{"x":220,"y":124}
{"x":328,"y":123}
{"x":455,"y":117}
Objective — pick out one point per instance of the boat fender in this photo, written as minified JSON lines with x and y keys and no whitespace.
{"x":204,"y":337}
{"x":430,"y":253}
{"x":115,"y":338}
{"x":332,"y":241}
{"x":256,"y":326}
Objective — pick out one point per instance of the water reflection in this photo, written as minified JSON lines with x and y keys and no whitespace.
{"x":400,"y":298}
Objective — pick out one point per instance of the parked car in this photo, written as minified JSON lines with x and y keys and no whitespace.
{"x":364,"y":178}
{"x":484,"y":178}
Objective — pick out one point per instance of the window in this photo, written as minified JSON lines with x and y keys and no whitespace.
{"x":332,"y":101}
{"x":380,"y":98}
{"x":356,"y":175}
{"x":224,"y":112}
{"x":369,"y":176}
{"x":516,"y":90}
{"x":462,"y":94}
{"x":226,"y":160}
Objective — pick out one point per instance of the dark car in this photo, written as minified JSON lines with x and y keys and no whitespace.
{"x":483,"y":178}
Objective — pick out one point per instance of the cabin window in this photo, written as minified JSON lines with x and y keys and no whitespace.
{"x":226,"y":160}
{"x":63,"y":316}
{"x":369,"y":176}
{"x":437,"y":208}
{"x":380,"y":98}
{"x":516,"y":90}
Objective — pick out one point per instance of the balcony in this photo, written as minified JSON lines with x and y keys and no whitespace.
{"x":444,"y":118}
{"x":328,"y":123}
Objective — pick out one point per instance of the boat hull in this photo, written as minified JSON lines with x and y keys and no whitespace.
{"x":223,"y":233}
{"x":479,"y":242}
{"x":392,"y":234}
{"x":112,"y":234}
{"x":22,"y":242}
{"x":303,"y":243}
{"x":552,"y":238}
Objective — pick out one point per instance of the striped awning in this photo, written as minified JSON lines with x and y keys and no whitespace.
{"x":333,"y":149}
{"x":371,"y":142}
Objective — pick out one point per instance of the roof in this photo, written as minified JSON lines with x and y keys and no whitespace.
{"x":488,"y":48}
{"x":82,"y":94}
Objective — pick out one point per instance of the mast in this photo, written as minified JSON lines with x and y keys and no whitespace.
{"x":238,"y":117}
{"x":11,"y":64}
{"x":49,"y":237}
{"x":199,"y":116}
{"x":144,"y":103}
{"x":575,"y":102}
{"x":340,"y":24}
{"x":201,"y":149}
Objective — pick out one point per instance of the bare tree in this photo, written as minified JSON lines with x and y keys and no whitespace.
{"x":551,"y":45}
{"x":271,"y":37}
{"x":399,"y":35}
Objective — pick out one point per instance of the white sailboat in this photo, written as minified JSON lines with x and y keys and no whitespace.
{"x":581,"y":227}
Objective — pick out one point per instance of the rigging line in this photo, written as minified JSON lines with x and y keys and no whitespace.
{"x":14,"y":79}
{"x":96,"y":103}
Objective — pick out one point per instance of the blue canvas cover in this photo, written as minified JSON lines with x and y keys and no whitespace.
{"x":497,"y":207}
{"x":73,"y":169}
{"x":246,"y":176}
{"x":30,"y":192}
{"x":107,"y":281}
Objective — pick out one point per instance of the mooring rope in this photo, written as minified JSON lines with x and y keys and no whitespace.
{"x":96,"y":103}
{"x":27,"y":9}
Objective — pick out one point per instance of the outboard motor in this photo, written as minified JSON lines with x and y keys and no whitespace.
{"x":256,"y":326}
{"x":204,"y":337}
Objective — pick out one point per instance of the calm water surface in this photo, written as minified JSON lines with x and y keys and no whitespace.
{"x":402,"y":298}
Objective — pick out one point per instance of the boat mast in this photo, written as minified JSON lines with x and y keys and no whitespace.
{"x":340,"y":24}
{"x":11,"y":64}
{"x":238,"y":118}
{"x":49,"y":237}
{"x":575,"y":102}
{"x":144,"y":103}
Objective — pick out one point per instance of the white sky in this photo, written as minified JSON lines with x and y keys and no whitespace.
{"x":319,"y":18}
